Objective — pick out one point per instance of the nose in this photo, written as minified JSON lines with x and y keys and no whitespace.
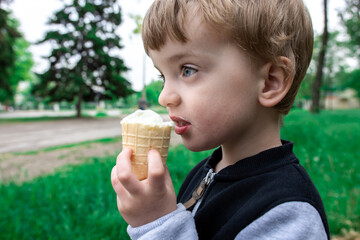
{"x":169,"y":97}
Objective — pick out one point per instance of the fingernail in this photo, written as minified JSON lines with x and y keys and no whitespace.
{"x":127,"y":149}
{"x":153,"y":151}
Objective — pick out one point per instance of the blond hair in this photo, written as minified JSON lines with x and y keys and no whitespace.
{"x":264,"y":29}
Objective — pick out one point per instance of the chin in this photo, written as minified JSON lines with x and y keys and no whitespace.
{"x":196,"y":147}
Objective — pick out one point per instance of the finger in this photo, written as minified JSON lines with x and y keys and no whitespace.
{"x":124,"y":172}
{"x":125,"y":153}
{"x":156,"y":170}
{"x":118,"y":188}
{"x":168,"y":180}
{"x":167,"y":175}
{"x":114,"y":179}
{"x":118,"y":203}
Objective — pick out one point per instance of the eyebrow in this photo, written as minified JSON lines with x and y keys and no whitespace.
{"x":191,"y":53}
{"x":177,"y":57}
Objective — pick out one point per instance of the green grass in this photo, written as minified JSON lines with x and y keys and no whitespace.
{"x":43,"y":119}
{"x":78,"y":202}
{"x":32,"y":119}
{"x":328,"y":147}
{"x":75,"y":203}
{"x":52,"y":148}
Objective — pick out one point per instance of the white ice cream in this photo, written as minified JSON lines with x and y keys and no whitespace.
{"x":146,"y":117}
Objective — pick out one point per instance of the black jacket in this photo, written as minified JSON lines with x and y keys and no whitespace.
{"x":241,"y":193}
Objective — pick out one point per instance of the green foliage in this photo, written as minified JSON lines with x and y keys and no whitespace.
{"x":138,"y":21}
{"x":101,"y":114}
{"x":305,"y":90}
{"x":351,"y":80}
{"x":23,"y":61}
{"x":351,"y":20}
{"x":8,"y":36}
{"x":83,"y":63}
{"x":335,"y":64}
{"x":153,"y":91}
{"x":21,"y":72}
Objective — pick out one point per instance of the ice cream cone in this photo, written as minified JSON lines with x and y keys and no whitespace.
{"x":141,"y":138}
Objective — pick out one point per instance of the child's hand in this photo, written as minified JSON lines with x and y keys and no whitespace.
{"x":141,"y":202}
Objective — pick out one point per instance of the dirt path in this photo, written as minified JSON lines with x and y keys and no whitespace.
{"x":19,"y":137}
{"x":16,"y":137}
{"x":24,"y":167}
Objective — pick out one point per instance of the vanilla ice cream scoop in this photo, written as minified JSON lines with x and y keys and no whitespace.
{"x":147,"y":117}
{"x":141,"y":131}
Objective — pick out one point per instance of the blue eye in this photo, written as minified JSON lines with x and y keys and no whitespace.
{"x":187,"y":71}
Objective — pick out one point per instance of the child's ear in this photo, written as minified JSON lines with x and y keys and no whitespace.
{"x":277,"y":80}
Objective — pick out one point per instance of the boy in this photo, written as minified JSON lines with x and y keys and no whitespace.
{"x":231,"y":69}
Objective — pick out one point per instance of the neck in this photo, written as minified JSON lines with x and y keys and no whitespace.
{"x":258,"y":138}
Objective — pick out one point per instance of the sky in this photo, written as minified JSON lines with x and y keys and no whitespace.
{"x":33,"y":15}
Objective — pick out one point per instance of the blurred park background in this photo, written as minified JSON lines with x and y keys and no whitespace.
{"x":60,"y":110}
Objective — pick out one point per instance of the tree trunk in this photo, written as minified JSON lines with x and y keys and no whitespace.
{"x":78,"y":104}
{"x":315,"y":107}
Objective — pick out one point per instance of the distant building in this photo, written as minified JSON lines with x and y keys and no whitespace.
{"x":346,"y":99}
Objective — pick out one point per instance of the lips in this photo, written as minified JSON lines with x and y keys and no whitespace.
{"x":181,"y":125}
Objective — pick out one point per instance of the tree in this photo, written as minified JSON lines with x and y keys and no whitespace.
{"x":334,"y":63}
{"x":21,"y":71}
{"x":351,"y":79}
{"x":153,"y":91}
{"x":83,"y":62}
{"x":350,"y":17}
{"x":8,"y":36}
{"x":23,"y":62}
{"x":315,"y":107}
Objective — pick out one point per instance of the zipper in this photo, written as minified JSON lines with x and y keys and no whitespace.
{"x":200,"y":190}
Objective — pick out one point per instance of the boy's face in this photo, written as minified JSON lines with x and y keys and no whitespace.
{"x":210,"y":89}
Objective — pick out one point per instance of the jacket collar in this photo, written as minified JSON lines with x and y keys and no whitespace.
{"x":254,"y":165}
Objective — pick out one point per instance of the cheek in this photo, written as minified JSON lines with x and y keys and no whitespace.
{"x":208,"y":106}
{"x":223,"y":114}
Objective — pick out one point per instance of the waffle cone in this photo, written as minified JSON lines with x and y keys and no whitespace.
{"x":141,"y":138}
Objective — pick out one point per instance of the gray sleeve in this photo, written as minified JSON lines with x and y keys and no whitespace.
{"x":291,"y":220}
{"x":179,"y":225}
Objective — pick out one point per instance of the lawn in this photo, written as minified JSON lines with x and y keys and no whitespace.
{"x":328,"y":147}
{"x":77,"y":202}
